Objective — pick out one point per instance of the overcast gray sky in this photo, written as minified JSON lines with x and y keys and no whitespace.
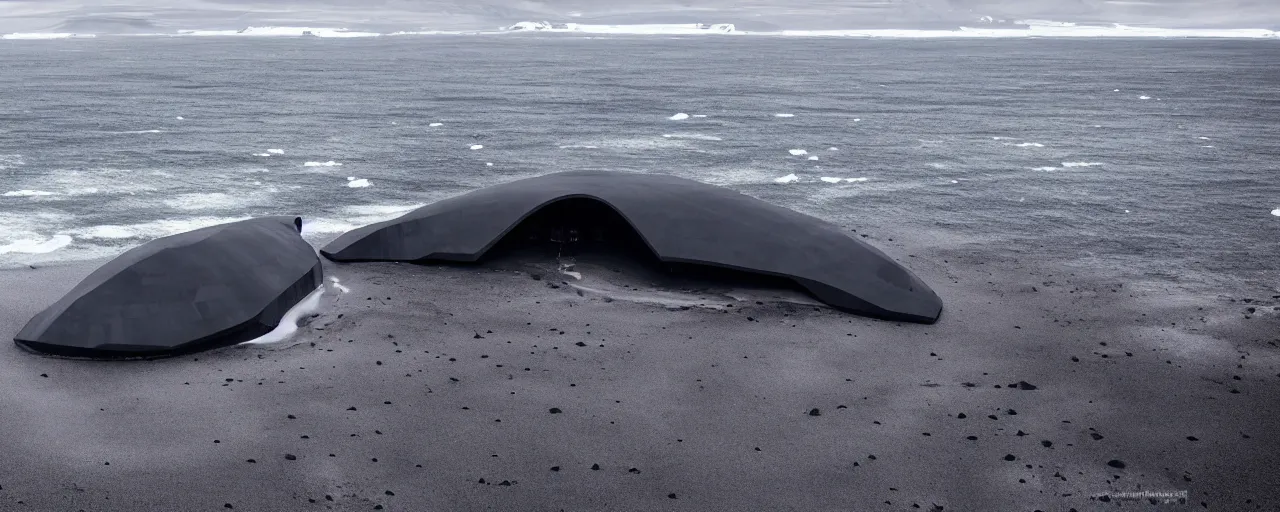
{"x":168,"y":15}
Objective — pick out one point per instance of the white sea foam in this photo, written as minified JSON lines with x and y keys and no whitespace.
{"x":1029,"y":145}
{"x":855,"y":180}
{"x":954,"y":182}
{"x":699,"y":115}
{"x":815,"y":157}
{"x":797,"y":152}
{"x":36,"y":246}
{"x":28,"y":193}
{"x":1081,"y":164}
{"x":784,"y":115}
{"x":289,"y":323}
{"x":578,"y":146}
{"x":357,"y":183}
{"x":151,"y":229}
{"x":262,"y":154}
{"x":831,"y":180}
{"x":330,"y":163}
{"x":1046,"y":168}
{"x":179,"y":118}
{"x":679,"y":116}
{"x":137,"y":132}
{"x":275,"y":151}
{"x":691,"y":136}
{"x":1203,"y":138}
{"x":833,"y":149}
{"x":790,"y":178}
{"x":477,"y":146}
{"x":1144,"y":97}
{"x":1276,"y":212}
{"x":433,"y":125}
{"x":204,"y":201}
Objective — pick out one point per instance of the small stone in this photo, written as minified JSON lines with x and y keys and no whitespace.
{"x":1025,"y":386}
{"x":290,"y":456}
{"x":672,"y":496}
{"x":815,"y":412}
{"x":1116,"y":463}
{"x":1046,"y":443}
{"x":555,"y":468}
{"x":1096,"y":436}
{"x":1010,"y":457}
{"x":555,"y":410}
{"x":595,"y":467}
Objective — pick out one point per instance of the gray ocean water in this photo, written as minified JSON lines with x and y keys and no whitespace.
{"x":1144,"y":159}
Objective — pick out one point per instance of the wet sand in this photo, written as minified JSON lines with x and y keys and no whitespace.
{"x":512,"y":386}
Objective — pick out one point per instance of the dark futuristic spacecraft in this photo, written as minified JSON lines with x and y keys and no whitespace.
{"x":680,"y":221}
{"x":193,"y":291}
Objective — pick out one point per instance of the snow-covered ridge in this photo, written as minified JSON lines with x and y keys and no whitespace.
{"x":649,"y":29}
{"x":985,"y":27}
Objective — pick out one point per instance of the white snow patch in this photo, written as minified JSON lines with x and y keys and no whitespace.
{"x":289,"y":324}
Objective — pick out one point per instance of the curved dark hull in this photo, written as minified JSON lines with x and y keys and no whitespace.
{"x":680,"y":220}
{"x":186,"y":293}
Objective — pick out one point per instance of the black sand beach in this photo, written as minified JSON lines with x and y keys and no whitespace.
{"x":513,"y":386}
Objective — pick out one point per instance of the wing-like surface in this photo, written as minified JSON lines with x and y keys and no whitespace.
{"x":682,"y":221}
{"x":192,"y":291}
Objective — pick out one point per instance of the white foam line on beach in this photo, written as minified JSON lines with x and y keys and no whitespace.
{"x":790,"y":178}
{"x":679,"y":116}
{"x":28,"y":193}
{"x":36,"y":246}
{"x":330,"y":163}
{"x":289,"y":324}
